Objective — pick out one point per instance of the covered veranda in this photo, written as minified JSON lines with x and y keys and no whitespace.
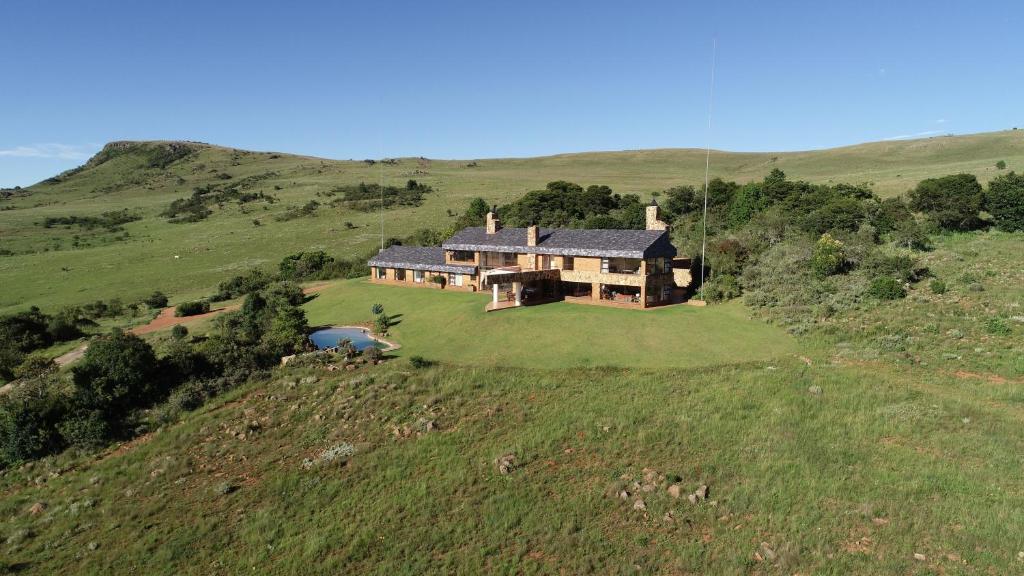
{"x":512,"y":287}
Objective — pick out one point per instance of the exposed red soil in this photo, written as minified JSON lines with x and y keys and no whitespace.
{"x":166,"y":319}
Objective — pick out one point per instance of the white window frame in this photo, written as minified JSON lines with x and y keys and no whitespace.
{"x":382,"y":273}
{"x":417,"y":276}
{"x":604,"y":265}
{"x":456,"y":279}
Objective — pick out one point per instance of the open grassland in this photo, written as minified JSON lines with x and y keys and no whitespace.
{"x":71,"y":265}
{"x":811,"y":469}
{"x":453,"y":326}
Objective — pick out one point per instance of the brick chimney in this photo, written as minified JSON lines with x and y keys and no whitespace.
{"x":531,"y":235}
{"x":493,"y":224}
{"x":653,"y":223}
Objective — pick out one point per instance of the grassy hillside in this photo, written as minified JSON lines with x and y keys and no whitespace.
{"x":72,"y":265}
{"x":810,"y":469}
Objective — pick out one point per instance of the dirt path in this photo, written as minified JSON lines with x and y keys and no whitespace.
{"x":166,"y":319}
{"x":69,"y":357}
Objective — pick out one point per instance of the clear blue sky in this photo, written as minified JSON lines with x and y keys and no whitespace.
{"x":482,"y":79}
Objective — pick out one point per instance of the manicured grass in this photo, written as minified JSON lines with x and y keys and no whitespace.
{"x":857,"y":478}
{"x":188,"y":260}
{"x":452,"y":326}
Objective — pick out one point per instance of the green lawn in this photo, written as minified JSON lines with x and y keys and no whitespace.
{"x":452,"y":326}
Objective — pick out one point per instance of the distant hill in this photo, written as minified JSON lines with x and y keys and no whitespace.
{"x":140,"y":250}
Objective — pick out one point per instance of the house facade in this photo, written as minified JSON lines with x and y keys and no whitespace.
{"x":518,"y":266}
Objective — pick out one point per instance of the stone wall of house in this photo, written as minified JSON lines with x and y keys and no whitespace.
{"x":469,"y":282}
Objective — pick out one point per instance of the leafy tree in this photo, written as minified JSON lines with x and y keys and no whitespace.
{"x":951,"y":202}
{"x":287,"y":331}
{"x":681,"y":200}
{"x":602,"y":222}
{"x":889,"y":215}
{"x":748,"y":200}
{"x":117,"y":374}
{"x":838,"y":214}
{"x":1001,"y":165}
{"x":478,"y":210}
{"x":1005,"y":201}
{"x":179,"y":332}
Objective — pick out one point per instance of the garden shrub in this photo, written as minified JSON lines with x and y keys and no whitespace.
{"x":937,"y":286}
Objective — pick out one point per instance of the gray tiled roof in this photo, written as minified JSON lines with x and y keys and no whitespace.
{"x":430,"y":258}
{"x":566,"y":241}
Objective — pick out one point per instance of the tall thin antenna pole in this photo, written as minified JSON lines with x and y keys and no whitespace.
{"x":707,"y":167}
{"x":381,"y":162}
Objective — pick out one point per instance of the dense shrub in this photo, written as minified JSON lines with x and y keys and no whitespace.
{"x":28,"y":418}
{"x":251,"y":281}
{"x":998,"y":327}
{"x":567,"y":204}
{"x":156,"y":300}
{"x":89,"y":428}
{"x":829,"y":256}
{"x":420,"y":362}
{"x":902,"y":267}
{"x":24,"y":332}
{"x":1004,"y":200}
{"x":721,"y":287}
{"x":117,"y":372}
{"x":368,"y":197}
{"x":179,"y":332}
{"x":381,"y":323}
{"x":111,"y":221}
{"x":951,"y":202}
{"x":303,"y":265}
{"x":937,"y":286}
{"x":886,"y":288}
{"x":192,"y":308}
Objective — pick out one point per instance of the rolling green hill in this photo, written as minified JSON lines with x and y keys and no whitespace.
{"x":876,"y":437}
{"x":72,"y":264}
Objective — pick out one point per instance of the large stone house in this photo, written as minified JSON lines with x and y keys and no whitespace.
{"x":632,"y":268}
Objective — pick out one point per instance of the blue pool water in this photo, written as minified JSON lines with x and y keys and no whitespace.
{"x":329,"y":338}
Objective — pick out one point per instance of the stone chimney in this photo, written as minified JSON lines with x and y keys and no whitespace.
{"x":653,"y":223}
{"x":531,"y":235}
{"x":493,"y":224}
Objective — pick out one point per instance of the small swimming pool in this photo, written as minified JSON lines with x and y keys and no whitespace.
{"x":329,"y":338}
